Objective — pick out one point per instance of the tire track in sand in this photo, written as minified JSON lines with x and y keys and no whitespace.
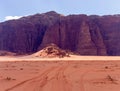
{"x":82,"y":86}
{"x":59,"y":81}
{"x":25,"y":81}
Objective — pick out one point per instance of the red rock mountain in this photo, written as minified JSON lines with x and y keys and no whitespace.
{"x":86,"y":35}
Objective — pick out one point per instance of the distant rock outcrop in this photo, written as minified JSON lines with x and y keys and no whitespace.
{"x":52,"y":51}
{"x":86,"y":35}
{"x":6,"y":53}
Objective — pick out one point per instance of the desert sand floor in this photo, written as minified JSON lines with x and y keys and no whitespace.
{"x":71,"y":58}
{"x":60,"y":76}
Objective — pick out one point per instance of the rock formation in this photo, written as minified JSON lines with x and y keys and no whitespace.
{"x":52,"y":51}
{"x":86,"y":35}
{"x":6,"y":53}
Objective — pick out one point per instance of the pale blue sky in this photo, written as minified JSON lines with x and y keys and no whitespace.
{"x":28,"y":7}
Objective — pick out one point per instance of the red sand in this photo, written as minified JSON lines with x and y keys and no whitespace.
{"x":60,"y":76}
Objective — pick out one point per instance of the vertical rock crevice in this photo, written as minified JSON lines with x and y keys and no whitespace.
{"x":97,"y":38}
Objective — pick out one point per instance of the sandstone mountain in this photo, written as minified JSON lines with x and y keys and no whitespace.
{"x":85,"y":35}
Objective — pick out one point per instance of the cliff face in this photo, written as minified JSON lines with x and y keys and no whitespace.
{"x":86,"y":35}
{"x":77,"y":33}
{"x":25,"y":35}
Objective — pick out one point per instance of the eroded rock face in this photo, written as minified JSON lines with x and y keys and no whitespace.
{"x":86,"y":35}
{"x":77,"y":33}
{"x":26,"y":34}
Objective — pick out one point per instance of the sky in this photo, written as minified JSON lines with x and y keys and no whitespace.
{"x":13,"y":9}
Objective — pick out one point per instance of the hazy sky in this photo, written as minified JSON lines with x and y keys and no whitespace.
{"x":14,"y":8}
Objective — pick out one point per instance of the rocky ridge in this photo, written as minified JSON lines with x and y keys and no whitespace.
{"x":86,"y":35}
